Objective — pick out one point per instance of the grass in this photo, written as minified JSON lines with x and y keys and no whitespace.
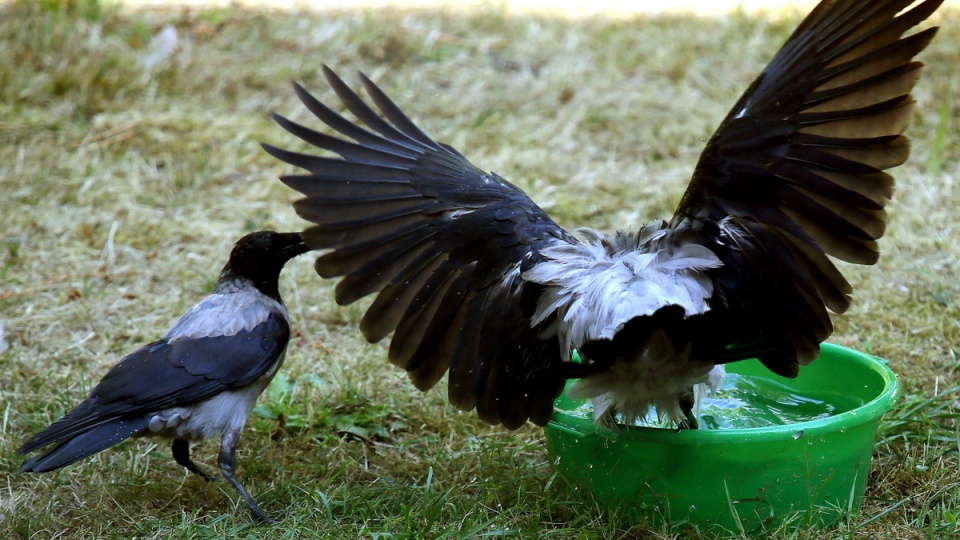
{"x":124,"y":188}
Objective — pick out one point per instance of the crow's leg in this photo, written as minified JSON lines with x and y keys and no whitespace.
{"x":181,"y":454}
{"x":228,"y":460}
{"x":687,"y":401}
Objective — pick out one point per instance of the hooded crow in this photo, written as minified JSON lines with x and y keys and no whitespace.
{"x":475,"y":280}
{"x":200,"y":379}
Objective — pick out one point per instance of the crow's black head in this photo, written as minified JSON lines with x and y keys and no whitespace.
{"x":259,"y":257}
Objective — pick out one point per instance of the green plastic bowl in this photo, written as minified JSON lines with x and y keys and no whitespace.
{"x":742,"y":480}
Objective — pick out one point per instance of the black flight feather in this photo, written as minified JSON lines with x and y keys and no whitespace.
{"x":794,"y":175}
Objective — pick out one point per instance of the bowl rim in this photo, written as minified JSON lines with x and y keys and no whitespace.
{"x":871,"y":410}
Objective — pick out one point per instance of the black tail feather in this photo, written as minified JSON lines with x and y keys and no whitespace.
{"x":85,"y":444}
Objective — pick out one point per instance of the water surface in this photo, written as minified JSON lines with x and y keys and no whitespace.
{"x":752,"y":402}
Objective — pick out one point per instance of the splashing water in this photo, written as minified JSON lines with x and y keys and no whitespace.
{"x":752,"y":402}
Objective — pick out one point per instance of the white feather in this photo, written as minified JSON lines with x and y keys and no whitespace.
{"x":597,"y":286}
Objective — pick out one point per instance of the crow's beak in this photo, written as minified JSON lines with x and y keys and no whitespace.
{"x":294,"y":245}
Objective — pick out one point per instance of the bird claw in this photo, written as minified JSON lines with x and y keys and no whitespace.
{"x":265,"y":519}
{"x":260,"y":516}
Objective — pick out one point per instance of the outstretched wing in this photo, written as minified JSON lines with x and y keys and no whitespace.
{"x":172,"y":373}
{"x":441,"y":243}
{"x":795,"y":171}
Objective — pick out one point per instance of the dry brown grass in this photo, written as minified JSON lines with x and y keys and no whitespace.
{"x":124,"y":188}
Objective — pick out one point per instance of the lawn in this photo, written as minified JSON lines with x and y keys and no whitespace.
{"x":128,"y":170}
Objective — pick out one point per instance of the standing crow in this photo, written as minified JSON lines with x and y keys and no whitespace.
{"x":474,"y":279}
{"x":200,"y":379}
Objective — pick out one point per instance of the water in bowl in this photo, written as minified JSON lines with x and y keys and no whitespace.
{"x":751,"y":402}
